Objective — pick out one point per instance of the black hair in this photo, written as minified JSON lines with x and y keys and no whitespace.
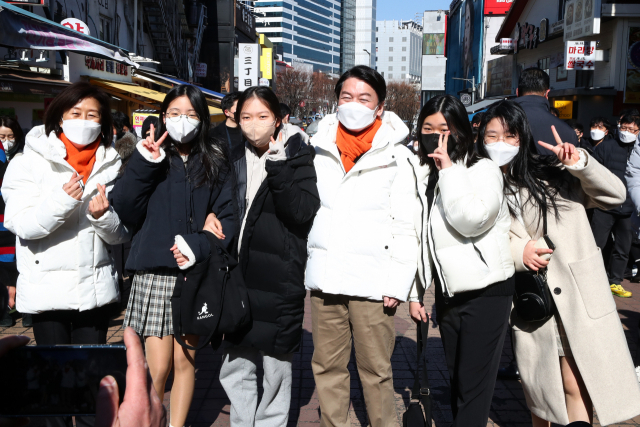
{"x":477,"y":118}
{"x":213,"y":153}
{"x":629,"y":119}
{"x":68,"y":98}
{"x":146,"y":125}
{"x":18,"y":135}
{"x":629,"y":112}
{"x":120,"y":120}
{"x":458,"y":123}
{"x":367,"y":75}
{"x":575,"y":125}
{"x":286,"y":111}
{"x":541,"y":176}
{"x":228,"y":100}
{"x":554,"y":111}
{"x":533,"y":81}
{"x":268,"y":98}
{"x":600,"y":120}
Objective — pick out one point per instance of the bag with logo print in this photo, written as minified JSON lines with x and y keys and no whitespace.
{"x":210,"y":299}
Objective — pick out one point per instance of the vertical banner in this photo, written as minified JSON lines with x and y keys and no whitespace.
{"x":632,"y":82}
{"x":248,"y":65}
{"x":266,"y":63}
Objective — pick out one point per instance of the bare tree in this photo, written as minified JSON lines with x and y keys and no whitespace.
{"x":404,"y":100}
{"x":315,"y":89}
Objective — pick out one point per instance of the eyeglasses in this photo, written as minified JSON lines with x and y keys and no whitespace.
{"x":492,"y":139}
{"x":175,"y":116}
{"x":629,"y":129}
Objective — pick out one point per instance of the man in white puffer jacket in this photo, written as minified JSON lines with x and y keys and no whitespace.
{"x":363,"y":247}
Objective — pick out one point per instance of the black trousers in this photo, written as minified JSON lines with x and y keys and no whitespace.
{"x":71,"y":327}
{"x":604,"y":223}
{"x":473,"y":332}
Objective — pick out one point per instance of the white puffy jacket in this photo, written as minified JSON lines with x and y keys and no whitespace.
{"x":467,"y":228}
{"x":363,"y":242}
{"x":62,"y":252}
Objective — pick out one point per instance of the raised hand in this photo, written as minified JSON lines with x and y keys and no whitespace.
{"x":152,"y":145}
{"x":73,"y":187}
{"x":99,"y":204}
{"x":567,"y":153}
{"x":213,"y":225}
{"x":440,"y":154}
{"x":179,"y":256}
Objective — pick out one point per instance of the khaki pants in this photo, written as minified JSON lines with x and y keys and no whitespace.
{"x":336,"y":319}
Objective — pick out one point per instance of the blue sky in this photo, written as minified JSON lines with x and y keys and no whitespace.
{"x":406,"y":9}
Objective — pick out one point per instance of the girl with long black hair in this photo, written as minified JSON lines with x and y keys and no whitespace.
{"x":579,"y":358}
{"x":176,"y":177}
{"x":11,"y":136}
{"x":464,"y":233}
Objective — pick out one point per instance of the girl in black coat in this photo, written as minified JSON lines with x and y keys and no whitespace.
{"x":277,"y":200}
{"x":172,"y":181}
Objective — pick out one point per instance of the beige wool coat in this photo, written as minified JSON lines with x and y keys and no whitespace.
{"x":580,"y":289}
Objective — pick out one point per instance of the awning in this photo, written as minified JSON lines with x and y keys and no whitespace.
{"x":174,"y":81}
{"x":25,"y":30}
{"x":483,"y":105}
{"x":120,"y":90}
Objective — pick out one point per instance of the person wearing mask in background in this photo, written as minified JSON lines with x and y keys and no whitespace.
{"x":579,"y":358}
{"x":579,"y":130}
{"x":614,"y":154}
{"x":228,"y":130}
{"x":533,"y":93}
{"x":291,"y":128}
{"x":599,"y":130}
{"x":624,"y":112}
{"x":363,"y":247}
{"x":56,"y":204}
{"x":277,"y":200}
{"x":172,"y":182}
{"x":122,"y":127}
{"x":12,"y":139}
{"x":464,"y":232}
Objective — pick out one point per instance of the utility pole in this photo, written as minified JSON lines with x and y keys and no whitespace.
{"x":473,"y":87}
{"x":369,"y":56}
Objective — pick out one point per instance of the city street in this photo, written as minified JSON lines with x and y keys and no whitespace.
{"x":211,"y":408}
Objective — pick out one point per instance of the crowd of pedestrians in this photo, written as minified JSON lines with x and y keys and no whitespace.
{"x":350,"y":216}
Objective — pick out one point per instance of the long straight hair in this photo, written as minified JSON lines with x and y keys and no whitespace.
{"x":214,"y":158}
{"x":18,"y":134}
{"x":541,"y":176}
{"x":267,"y":97}
{"x":458,"y":123}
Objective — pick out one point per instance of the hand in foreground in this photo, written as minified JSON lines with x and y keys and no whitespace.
{"x":567,"y":153}
{"x":213,"y":225}
{"x":73,"y":188}
{"x":440,"y":154}
{"x":531,"y":256}
{"x":152,"y":145}
{"x":141,"y":406}
{"x":7,"y":344}
{"x":417,"y":312}
{"x":181,"y":259}
{"x":99,"y":204}
{"x":391,"y":302}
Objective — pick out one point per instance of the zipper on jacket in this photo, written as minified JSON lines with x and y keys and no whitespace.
{"x":415,"y":177}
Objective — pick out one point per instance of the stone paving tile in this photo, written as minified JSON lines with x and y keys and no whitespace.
{"x":210,"y":407}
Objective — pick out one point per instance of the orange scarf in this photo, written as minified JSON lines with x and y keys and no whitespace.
{"x":81,"y":160}
{"x":352,"y":145}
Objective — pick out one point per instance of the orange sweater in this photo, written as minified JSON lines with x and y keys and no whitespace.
{"x":81,"y":160}
{"x":352,"y":145}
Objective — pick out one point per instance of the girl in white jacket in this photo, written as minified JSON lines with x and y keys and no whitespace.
{"x":464,"y":228}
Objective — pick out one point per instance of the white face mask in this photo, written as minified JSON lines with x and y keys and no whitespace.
{"x":627,"y":137}
{"x":258,"y":134}
{"x":355,"y":116}
{"x":182,"y":130}
{"x":597,"y":134}
{"x":501,"y":152}
{"x":81,"y":132}
{"x":8,"y":144}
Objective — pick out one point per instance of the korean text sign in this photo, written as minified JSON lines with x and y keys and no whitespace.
{"x":248,"y":65}
{"x":580,"y":55}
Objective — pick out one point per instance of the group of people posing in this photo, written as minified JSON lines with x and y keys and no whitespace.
{"x":355,"y":218}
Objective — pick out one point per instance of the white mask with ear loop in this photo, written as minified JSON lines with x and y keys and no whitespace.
{"x":627,"y":137}
{"x":501,"y":152}
{"x":597,"y":134}
{"x":8,"y":144}
{"x":81,"y":132}
{"x":182,"y":130}
{"x":355,"y":116}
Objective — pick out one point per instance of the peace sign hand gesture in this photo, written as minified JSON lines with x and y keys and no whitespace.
{"x":566,"y":152}
{"x":152,"y":145}
{"x":440,"y":154}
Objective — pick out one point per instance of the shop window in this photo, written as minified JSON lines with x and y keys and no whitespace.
{"x":391,"y":59}
{"x":404,"y":68}
{"x":390,"y":48}
{"x":584,"y":78}
{"x":105,"y":29}
{"x":543,"y":64}
{"x":404,"y":48}
{"x":561,"y":74}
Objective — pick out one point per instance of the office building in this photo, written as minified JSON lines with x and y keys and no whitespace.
{"x":434,"y":60}
{"x":399,"y":50}
{"x":365,"y":37}
{"x":348,"y":36}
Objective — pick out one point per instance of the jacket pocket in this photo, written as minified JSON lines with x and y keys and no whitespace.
{"x":593,"y":285}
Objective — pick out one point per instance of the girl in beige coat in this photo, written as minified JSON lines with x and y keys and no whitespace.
{"x":579,"y":359}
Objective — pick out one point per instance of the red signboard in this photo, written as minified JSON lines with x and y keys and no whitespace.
{"x":497,"y":7}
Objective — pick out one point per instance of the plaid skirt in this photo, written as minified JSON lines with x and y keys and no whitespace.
{"x":149,"y":306}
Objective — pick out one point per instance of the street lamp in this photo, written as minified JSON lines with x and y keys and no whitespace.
{"x":369,"y":53}
{"x":473,"y":87}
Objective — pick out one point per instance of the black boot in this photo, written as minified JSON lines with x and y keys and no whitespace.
{"x":27,"y":320}
{"x":579,"y":424}
{"x":509,"y":372}
{"x":7,"y":320}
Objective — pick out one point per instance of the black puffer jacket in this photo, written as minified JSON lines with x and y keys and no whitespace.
{"x":273,"y":253}
{"x":613,"y":155}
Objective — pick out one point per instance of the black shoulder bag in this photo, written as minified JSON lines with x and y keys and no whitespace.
{"x":210,"y":298}
{"x":420,"y":395}
{"x":532,"y":300}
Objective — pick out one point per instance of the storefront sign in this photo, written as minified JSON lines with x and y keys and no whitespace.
{"x":138,"y":119}
{"x":76,"y":24}
{"x":266,"y":63}
{"x":201,"y":69}
{"x":263,"y":82}
{"x":632,"y":82}
{"x":506,"y":44}
{"x":580,"y":55}
{"x":542,"y":33}
{"x":497,"y":7}
{"x":526,"y":37}
{"x":106,"y":66}
{"x":581,"y":18}
{"x":248,"y":64}
{"x":565,"y":108}
{"x":500,"y":76}
{"x":245,"y":20}
{"x":556,"y":27}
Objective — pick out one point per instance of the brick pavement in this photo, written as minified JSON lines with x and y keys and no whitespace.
{"x":211,"y":408}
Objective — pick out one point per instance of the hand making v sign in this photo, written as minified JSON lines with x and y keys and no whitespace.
{"x":567,"y":153}
{"x":152,"y":145}
{"x":440,"y":154}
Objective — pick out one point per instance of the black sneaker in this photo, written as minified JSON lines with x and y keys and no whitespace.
{"x":7,"y":320}
{"x":27,"y":320}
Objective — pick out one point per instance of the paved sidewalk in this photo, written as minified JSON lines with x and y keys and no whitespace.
{"x":211,"y":408}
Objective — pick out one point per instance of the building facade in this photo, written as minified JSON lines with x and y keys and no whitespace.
{"x":303,"y":30}
{"x":365,"y":40}
{"x":434,"y":59}
{"x":399,"y":50}
{"x":348,"y":36}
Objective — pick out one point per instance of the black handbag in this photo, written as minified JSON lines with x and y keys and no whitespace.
{"x":532,"y":300}
{"x":418,"y":414}
{"x":210,"y":298}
